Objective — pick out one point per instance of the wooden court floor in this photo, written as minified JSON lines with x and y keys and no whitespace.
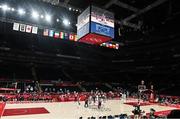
{"x":71,"y":110}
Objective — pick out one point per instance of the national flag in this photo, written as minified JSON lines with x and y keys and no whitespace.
{"x":51,"y":33}
{"x":107,"y":44}
{"x":117,"y":46}
{"x":76,"y":38}
{"x":104,"y":44}
{"x":22,"y":27}
{"x":72,"y":37}
{"x":34,"y":30}
{"x":56,"y":35}
{"x":114,"y":46}
{"x":46,"y":32}
{"x":61,"y":35}
{"x":66,"y":36}
{"x":28,"y":28}
{"x":110,"y":45}
{"x":16,"y":26}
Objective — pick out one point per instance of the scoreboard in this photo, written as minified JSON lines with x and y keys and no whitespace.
{"x":96,"y":21}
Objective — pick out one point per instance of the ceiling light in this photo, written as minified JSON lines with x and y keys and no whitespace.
{"x":5,"y":8}
{"x":42,"y":16}
{"x":12,"y":9}
{"x":21,"y":11}
{"x":35,"y":15}
{"x":57,"y":20}
{"x":48,"y":18}
{"x":66,"y":22}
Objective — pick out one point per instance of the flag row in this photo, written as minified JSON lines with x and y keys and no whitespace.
{"x":25,"y":28}
{"x":110,"y":45}
{"x":45,"y":32}
{"x":60,"y":35}
{"x":55,"y":34}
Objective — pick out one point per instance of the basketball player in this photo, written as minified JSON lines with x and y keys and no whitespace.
{"x":136,"y":111}
{"x":86,"y":103}
{"x":141,"y":89}
{"x":99,"y":103}
{"x":94,"y":98}
{"x":78,"y":100}
{"x":90,"y":99}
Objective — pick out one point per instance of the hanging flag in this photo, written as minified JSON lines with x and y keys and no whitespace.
{"x":104,"y":44}
{"x":117,"y":46}
{"x":16,"y":26}
{"x":114,"y":46}
{"x":66,"y":36}
{"x":71,"y":37}
{"x":28,"y":28}
{"x":107,"y":44}
{"x":56,"y":35}
{"x":76,"y":38}
{"x":34,"y":30}
{"x":110,"y":45}
{"x":46,"y":32}
{"x":22,"y":27}
{"x":51,"y":33}
{"x":61,"y":35}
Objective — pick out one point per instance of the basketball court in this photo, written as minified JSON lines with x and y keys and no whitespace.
{"x":71,"y":110}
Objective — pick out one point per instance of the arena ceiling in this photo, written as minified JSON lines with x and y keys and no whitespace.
{"x":133,"y":17}
{"x":152,"y":48}
{"x":127,"y":10}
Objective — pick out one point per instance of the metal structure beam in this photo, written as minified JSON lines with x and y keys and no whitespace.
{"x":110,"y":3}
{"x":126,"y":6}
{"x":149,"y":7}
{"x":66,"y":2}
{"x":53,"y":2}
{"x":59,"y":3}
{"x":62,"y":4}
{"x":132,"y":25}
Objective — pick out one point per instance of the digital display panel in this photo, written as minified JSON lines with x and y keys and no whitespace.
{"x":102,"y":29}
{"x":83,"y":18}
{"x":102,"y":16}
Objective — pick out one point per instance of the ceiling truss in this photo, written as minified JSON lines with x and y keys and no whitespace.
{"x":120,"y":4}
{"x":146,"y":9}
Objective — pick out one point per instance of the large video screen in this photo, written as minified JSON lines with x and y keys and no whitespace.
{"x":83,"y":30}
{"x":102,"y":29}
{"x":102,"y":16}
{"x":102,"y":22}
{"x":95,"y":20}
{"x":83,"y":18}
{"x":83,"y":23}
